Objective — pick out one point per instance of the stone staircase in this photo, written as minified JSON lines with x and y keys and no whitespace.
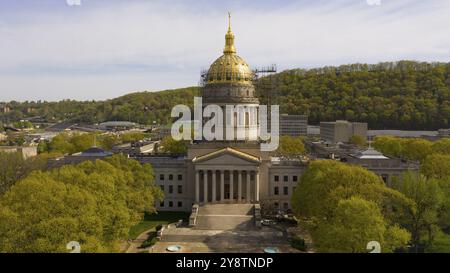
{"x":225,"y":217}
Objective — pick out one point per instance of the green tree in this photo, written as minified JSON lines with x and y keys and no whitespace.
{"x":290,"y":146}
{"x":390,"y":146}
{"x":441,"y":146}
{"x":355,"y":223}
{"x":14,"y":167}
{"x":132,"y":137}
{"x":358,"y":140}
{"x":169,"y":145}
{"x":436,"y":166}
{"x":94,"y":203}
{"x":422,"y":218}
{"x":324,"y":183}
{"x":321,"y":190}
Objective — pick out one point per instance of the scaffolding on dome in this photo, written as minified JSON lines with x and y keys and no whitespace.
{"x":264,"y":83}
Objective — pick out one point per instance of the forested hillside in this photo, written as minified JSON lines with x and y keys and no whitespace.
{"x":141,"y":107}
{"x":402,"y":95}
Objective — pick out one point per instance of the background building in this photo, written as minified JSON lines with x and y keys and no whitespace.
{"x":25,"y":151}
{"x":117,"y":125}
{"x":293,"y":125}
{"x":342,"y":130}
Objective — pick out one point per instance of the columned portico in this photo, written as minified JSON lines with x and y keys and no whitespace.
{"x":205,"y":186}
{"x":257,"y":187}
{"x":214,"y":190}
{"x":231,"y":176}
{"x":209,"y":189}
{"x":248,"y":188}
{"x":239,"y":186}
{"x":222,"y":186}
{"x":226,"y":176}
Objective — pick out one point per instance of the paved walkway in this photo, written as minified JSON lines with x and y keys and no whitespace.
{"x":223,"y":241}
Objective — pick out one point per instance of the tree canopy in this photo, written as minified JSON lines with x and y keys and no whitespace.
{"x":355,"y":223}
{"x":410,"y":148}
{"x":65,"y":143}
{"x":290,"y":146}
{"x":337,"y":198}
{"x":94,"y":203}
{"x":13,"y":167}
{"x":171,"y":146}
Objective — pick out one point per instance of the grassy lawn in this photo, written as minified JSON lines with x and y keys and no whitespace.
{"x":152,"y":220}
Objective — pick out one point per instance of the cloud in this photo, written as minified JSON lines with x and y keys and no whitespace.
{"x":106,"y":48}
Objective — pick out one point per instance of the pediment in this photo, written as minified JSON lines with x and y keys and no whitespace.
{"x":227,"y":156}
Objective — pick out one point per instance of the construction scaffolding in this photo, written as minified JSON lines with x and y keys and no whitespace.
{"x":264,"y":83}
{"x":262,"y":80}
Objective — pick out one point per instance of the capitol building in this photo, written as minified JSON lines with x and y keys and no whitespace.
{"x":238,"y":178}
{"x":227,"y":172}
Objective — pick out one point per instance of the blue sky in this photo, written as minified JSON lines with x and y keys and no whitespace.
{"x":102,"y":49}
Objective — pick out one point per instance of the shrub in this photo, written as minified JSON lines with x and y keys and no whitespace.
{"x":150,"y":241}
{"x":298,"y":243}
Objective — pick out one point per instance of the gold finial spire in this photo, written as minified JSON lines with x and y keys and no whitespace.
{"x":229,"y":39}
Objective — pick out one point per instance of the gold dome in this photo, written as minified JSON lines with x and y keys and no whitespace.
{"x":229,"y":68}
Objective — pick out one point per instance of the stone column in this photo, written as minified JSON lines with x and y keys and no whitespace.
{"x":222,"y":185}
{"x":205,"y":186}
{"x":214,"y":199}
{"x":248,"y":187}
{"x":231,"y":186}
{"x":197,"y":187}
{"x":257,"y":186}
{"x":239,"y":186}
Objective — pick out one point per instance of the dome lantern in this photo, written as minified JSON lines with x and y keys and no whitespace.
{"x":229,"y":39}
{"x":229,"y":68}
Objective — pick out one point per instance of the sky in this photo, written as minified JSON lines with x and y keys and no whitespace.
{"x":100,"y":49}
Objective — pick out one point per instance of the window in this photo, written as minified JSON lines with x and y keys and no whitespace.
{"x":161,"y":204}
{"x":170,"y":177}
{"x":180,"y":189}
{"x":275,"y":191}
{"x":276,"y":205}
{"x":171,"y":189}
{"x":180,"y":204}
{"x":293,"y":189}
{"x":285,"y":205}
{"x":171,"y":204}
{"x":180,"y":177}
{"x":161,"y":177}
{"x":385,"y":177}
{"x":285,"y":178}
{"x":295,"y":178}
{"x":162,"y":187}
{"x":285,"y":190}
{"x":276,"y":178}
